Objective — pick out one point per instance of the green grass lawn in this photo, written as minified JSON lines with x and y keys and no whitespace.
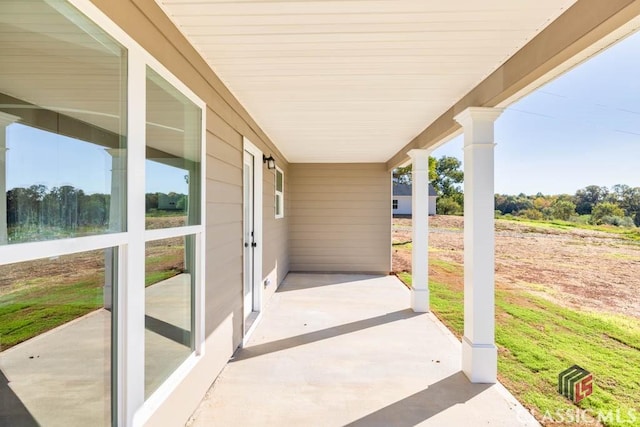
{"x":47,"y":302}
{"x":28,"y":313}
{"x":538,"y":339}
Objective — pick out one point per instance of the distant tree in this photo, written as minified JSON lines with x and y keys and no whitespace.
{"x":448,"y":206}
{"x":151,"y":201}
{"x":181,"y":204}
{"x":402,"y":175}
{"x":541,"y":202}
{"x":586,"y":198}
{"x":433,"y":174}
{"x":627,"y":198}
{"x":605,"y":209}
{"x":449,"y":176}
{"x":532,"y":214}
{"x":69,"y":201}
{"x":509,"y":204}
{"x":563,"y":209}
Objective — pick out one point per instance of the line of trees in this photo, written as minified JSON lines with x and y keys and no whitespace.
{"x":65,"y":209}
{"x":618,"y":205}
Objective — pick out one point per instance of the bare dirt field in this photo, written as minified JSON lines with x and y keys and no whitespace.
{"x":578,"y":268}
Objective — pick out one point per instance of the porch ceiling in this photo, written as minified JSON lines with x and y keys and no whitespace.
{"x":355,"y":80}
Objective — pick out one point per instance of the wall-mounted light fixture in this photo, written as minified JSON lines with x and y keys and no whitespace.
{"x":270,"y":161}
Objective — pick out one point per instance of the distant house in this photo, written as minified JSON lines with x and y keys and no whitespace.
{"x":169,"y":202}
{"x":401,"y":202}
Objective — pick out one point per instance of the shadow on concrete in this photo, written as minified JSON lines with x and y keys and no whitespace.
{"x":452,"y":390}
{"x":167,"y":330}
{"x":322,"y":280}
{"x":12,"y":411}
{"x":323,"y":334}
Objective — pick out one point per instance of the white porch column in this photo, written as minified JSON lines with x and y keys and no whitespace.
{"x":479,"y":352}
{"x":5,"y":121}
{"x":116,"y":217}
{"x":420,"y":231}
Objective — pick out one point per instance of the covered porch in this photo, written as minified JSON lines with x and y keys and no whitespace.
{"x":344,"y":349}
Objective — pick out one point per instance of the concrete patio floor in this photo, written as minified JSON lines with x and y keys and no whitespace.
{"x":345,"y":350}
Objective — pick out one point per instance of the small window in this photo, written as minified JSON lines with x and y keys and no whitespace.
{"x":279,"y":202}
{"x":395,"y":204}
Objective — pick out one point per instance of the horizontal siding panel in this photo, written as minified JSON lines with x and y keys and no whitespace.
{"x":222,"y":282}
{"x":223,"y":172}
{"x":338,"y":196}
{"x":223,"y":296}
{"x":335,"y":251}
{"x":337,"y":183}
{"x":220,"y":263}
{"x":320,"y":189}
{"x":224,"y":233}
{"x":374,"y":242}
{"x":322,"y":236}
{"x":311,"y":168}
{"x":345,"y":174}
{"x":337,"y":219}
{"x":222,"y":129}
{"x":334,"y":259}
{"x":321,"y":205}
{"x":225,"y":250}
{"x":336,"y":210}
{"x":223,"y":192}
{"x":370,"y":213}
{"x":338,"y":268}
{"x":223,"y":151}
{"x":363,"y":230}
{"x":223,"y":214}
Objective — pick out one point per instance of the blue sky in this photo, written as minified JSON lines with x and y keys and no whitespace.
{"x":582,"y":128}
{"x":35,"y":156}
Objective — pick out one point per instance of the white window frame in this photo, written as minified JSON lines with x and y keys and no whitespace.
{"x":278,"y":193}
{"x":132,"y":409}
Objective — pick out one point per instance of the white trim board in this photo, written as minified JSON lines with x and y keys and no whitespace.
{"x":257,"y":228}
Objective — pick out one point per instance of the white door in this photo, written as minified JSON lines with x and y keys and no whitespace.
{"x":249,"y":232}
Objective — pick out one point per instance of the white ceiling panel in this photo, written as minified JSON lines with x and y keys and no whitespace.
{"x":355,"y":80}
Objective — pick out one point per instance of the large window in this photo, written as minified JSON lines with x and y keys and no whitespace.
{"x":173,"y":152}
{"x":56,"y":337}
{"x":63,"y":153}
{"x":101,"y":225}
{"x":169,"y":320}
{"x":62,"y":124}
{"x":173,"y":156}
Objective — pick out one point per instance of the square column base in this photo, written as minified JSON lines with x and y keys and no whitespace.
{"x":420,"y":300}
{"x":479,"y":362}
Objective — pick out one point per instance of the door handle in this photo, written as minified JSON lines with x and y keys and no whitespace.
{"x":254,"y":244}
{"x":246,"y":245}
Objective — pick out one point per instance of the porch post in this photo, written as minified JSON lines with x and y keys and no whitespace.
{"x":479,"y":352}
{"x":116,"y":217}
{"x":420,"y":231}
{"x":5,"y":121}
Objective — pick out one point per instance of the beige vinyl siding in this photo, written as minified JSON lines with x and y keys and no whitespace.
{"x":224,"y":227}
{"x":339,"y":217}
{"x":275,"y":255}
{"x":226,"y":124}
